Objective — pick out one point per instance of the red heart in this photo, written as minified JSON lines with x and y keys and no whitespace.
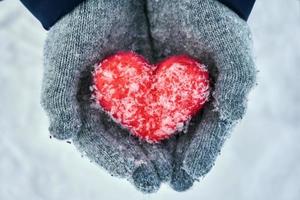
{"x":152,"y":101}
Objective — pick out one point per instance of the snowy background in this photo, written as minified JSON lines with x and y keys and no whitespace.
{"x":260,"y":161}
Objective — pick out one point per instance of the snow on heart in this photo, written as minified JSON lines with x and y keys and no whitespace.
{"x":151,"y":101}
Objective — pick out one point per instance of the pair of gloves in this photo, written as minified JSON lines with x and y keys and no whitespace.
{"x":204,"y":29}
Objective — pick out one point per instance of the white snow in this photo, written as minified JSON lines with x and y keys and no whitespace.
{"x":260,"y":161}
{"x":133,"y":87}
{"x":108,"y":75}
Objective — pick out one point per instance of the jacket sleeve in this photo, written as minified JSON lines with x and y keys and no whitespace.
{"x":48,"y":12}
{"x":241,"y":7}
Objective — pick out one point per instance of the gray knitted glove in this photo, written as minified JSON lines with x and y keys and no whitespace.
{"x":208,"y":30}
{"x":95,"y":29}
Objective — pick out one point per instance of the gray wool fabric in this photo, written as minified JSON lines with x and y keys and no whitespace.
{"x":204,"y":29}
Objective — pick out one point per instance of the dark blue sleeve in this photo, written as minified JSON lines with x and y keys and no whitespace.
{"x":48,"y":12}
{"x":241,"y":7}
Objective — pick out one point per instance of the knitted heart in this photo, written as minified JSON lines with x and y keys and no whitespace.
{"x":152,"y":101}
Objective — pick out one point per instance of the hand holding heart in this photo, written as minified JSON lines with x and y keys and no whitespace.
{"x":151,"y":101}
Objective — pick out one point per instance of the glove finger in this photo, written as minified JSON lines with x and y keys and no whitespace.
{"x":161,"y":156}
{"x":181,"y":180}
{"x":91,"y":31}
